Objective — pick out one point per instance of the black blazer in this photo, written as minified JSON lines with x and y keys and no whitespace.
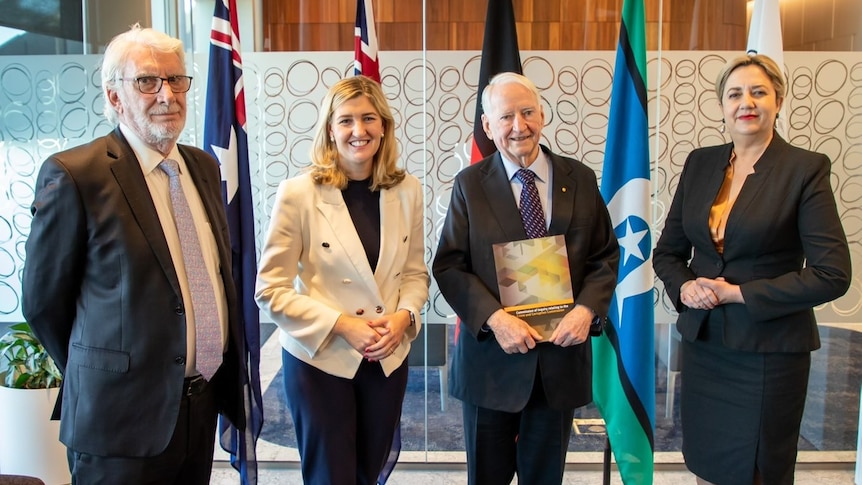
{"x":784,"y":245}
{"x":483,"y":212}
{"x":102,"y":295}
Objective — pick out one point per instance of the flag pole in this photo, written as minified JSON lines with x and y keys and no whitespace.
{"x":606,"y":468}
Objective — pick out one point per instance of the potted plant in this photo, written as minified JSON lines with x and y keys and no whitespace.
{"x":24,"y":363}
{"x":29,"y":385}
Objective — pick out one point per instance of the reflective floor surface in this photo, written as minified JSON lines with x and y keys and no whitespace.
{"x":268,"y":476}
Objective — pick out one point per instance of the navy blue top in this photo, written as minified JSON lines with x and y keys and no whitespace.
{"x":364,"y":208}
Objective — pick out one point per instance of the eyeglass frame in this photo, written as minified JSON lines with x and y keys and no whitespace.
{"x":162,"y":80}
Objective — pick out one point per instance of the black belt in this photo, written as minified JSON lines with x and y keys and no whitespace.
{"x":194,"y":385}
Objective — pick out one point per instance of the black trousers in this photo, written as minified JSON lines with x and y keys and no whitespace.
{"x":531,"y":443}
{"x":187,"y":460}
{"x":344,"y":427}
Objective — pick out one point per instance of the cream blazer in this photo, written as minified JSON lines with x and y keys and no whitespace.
{"x":313,"y":268}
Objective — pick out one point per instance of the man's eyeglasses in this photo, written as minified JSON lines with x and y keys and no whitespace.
{"x":153,"y":84}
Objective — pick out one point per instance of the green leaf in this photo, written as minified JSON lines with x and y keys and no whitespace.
{"x":24,"y":362}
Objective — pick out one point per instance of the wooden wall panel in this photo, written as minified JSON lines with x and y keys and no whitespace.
{"x":791,"y":27}
{"x":733,"y":13}
{"x":848,"y":17}
{"x":280,"y":12}
{"x":817,"y":22}
{"x":438,"y":11}
{"x":466,"y":10}
{"x":573,"y":12}
{"x":547,"y":10}
{"x":438,"y":36}
{"x":680,"y":11}
{"x":384,"y":11}
{"x":545,"y":36}
{"x":316,"y":25}
{"x":572,"y":35}
{"x":603,"y":10}
{"x":652,"y":10}
{"x":402,"y":36}
{"x":311,"y":11}
{"x":602,"y":34}
{"x":467,"y":33}
{"x":408,"y":11}
{"x":652,"y":29}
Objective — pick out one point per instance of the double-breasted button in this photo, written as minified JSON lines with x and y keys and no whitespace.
{"x":360,"y":311}
{"x":180,"y":360}
{"x":179,"y":310}
{"x":378,"y":309}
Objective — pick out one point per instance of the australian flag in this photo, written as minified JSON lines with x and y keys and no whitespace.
{"x":225,"y":138}
{"x":365,"y":42}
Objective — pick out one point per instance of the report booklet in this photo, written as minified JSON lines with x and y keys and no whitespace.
{"x":534,"y":281}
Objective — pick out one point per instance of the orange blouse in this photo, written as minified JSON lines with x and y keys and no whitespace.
{"x":721,"y":208}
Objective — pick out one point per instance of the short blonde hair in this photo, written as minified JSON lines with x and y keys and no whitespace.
{"x":769,"y":66}
{"x":324,"y":154}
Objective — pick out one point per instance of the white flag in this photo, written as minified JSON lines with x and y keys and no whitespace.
{"x":764,"y":37}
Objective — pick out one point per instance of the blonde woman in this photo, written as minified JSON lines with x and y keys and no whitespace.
{"x":342,"y":274}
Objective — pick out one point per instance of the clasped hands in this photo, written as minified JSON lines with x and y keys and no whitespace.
{"x":517,"y":336}
{"x":707,"y":293}
{"x":374,"y":339}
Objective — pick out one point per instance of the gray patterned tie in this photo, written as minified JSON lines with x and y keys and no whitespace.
{"x":208,"y":342}
{"x":531,"y":206}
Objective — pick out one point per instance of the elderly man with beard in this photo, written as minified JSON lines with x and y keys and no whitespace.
{"x":127,"y":281}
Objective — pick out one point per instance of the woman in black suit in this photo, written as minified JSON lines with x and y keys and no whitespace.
{"x":752,"y":242}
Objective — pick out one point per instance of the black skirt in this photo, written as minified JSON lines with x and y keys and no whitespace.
{"x":741,"y":412}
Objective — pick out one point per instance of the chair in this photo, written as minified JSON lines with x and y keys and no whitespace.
{"x":437,"y":355}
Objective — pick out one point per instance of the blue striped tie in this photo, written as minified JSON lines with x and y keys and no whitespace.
{"x":208,"y":342}
{"x":531,"y":206}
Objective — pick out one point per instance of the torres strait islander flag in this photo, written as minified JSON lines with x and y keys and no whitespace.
{"x":623,"y":357}
{"x":225,"y":138}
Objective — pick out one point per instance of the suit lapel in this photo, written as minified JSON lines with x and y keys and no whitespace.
{"x":392,"y":231}
{"x":498,"y":191}
{"x":754,"y":185}
{"x":563,"y":194}
{"x":127,"y":172}
{"x":707,"y":183}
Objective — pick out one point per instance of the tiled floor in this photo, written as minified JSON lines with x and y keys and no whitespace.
{"x":411,"y":476}
{"x":827,"y":448}
{"x":830,"y":421}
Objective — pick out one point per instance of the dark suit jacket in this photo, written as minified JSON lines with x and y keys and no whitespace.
{"x":102,"y":295}
{"x":784,"y":245}
{"x":483,"y":212}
